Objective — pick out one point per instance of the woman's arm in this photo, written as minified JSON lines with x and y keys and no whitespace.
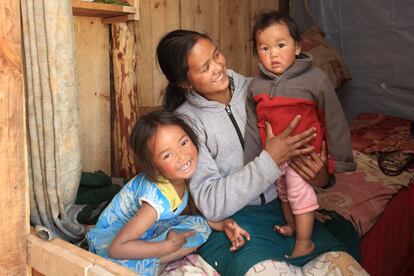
{"x":221,"y":189}
{"x":127,"y":245}
{"x":313,"y":168}
{"x":236,"y":234}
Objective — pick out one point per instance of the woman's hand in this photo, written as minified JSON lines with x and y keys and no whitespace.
{"x":235,"y":234}
{"x":178,"y":239}
{"x":284,"y":147}
{"x":312,"y":168}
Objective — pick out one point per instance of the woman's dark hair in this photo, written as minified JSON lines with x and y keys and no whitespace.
{"x":172,"y":53}
{"x":270,"y":18}
{"x":145,"y":129}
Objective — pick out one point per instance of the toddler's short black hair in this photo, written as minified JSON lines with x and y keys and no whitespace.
{"x":269,"y":18}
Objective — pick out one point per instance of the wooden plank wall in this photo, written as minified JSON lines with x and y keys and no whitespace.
{"x":14,"y":187}
{"x":227,"y":22}
{"x":93,"y":56}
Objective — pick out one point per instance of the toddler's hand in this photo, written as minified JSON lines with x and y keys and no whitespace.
{"x":178,"y":239}
{"x":235,"y":234}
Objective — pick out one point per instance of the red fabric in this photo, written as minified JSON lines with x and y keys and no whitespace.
{"x":373,"y":132}
{"x":280,"y":111}
{"x":388,"y":248}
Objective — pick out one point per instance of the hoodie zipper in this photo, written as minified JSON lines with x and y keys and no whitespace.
{"x":233,"y":120}
{"x":236,"y":126}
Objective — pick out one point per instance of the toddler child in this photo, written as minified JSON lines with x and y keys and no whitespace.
{"x":287,"y":86}
{"x":142,"y":228}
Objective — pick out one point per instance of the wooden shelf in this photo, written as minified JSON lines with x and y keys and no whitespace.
{"x":81,"y":8}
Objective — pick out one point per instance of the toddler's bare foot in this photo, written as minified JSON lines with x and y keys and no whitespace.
{"x":302,"y":248}
{"x":285,"y":230}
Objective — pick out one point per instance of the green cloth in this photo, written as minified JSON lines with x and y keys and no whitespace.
{"x":264,"y":244}
{"x":96,"y":179}
{"x":95,"y":196}
{"x":345,"y":232}
{"x":95,"y":191}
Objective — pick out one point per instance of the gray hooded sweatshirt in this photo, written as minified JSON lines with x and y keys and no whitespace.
{"x":222,"y":183}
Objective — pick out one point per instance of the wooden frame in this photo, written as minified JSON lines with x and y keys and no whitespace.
{"x":58,"y":257}
{"x":14,"y":188}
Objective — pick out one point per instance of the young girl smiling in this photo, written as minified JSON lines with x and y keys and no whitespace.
{"x":142,"y":228}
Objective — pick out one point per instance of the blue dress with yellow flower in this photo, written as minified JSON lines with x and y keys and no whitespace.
{"x":163,"y":198}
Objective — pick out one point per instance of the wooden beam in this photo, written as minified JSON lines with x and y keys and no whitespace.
{"x":118,"y":19}
{"x":58,"y":257}
{"x":14,"y":199}
{"x":81,"y":8}
{"x":50,"y":259}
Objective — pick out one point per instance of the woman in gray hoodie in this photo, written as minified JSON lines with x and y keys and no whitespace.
{"x":201,"y":87}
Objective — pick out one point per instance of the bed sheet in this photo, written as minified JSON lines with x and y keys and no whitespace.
{"x":363,"y":195}
{"x":328,"y":264}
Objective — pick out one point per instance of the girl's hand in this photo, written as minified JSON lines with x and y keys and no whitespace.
{"x":284,"y":147}
{"x":312,"y":168}
{"x":235,"y":234}
{"x":178,"y":239}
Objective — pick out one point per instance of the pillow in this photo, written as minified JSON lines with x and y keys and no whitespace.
{"x":325,"y":56}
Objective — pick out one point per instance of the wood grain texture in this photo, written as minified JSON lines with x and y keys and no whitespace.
{"x":125,"y":98}
{"x":14,"y":187}
{"x":202,"y":16}
{"x":81,"y":8}
{"x":98,"y":261}
{"x":92,"y":49}
{"x":58,"y":257}
{"x":157,"y":17}
{"x":234,"y":35}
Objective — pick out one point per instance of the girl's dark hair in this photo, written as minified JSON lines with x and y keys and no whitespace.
{"x":270,"y":18}
{"x":172,"y":53}
{"x":145,"y":129}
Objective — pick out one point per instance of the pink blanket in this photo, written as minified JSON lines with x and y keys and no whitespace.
{"x":361,"y":196}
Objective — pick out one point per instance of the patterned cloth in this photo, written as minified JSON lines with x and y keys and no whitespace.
{"x":334,"y":263}
{"x":125,"y":205}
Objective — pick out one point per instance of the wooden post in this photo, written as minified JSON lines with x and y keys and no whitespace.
{"x":125,"y":100}
{"x":14,"y":200}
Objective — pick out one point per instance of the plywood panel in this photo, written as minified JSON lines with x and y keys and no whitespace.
{"x":234,"y":34}
{"x":144,"y":55}
{"x":202,"y":16}
{"x":165,"y":17}
{"x":14,"y":187}
{"x":92,"y":48}
{"x":257,"y":7}
{"x":157,"y":17}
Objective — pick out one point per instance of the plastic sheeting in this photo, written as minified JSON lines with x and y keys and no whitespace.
{"x":376,"y":40}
